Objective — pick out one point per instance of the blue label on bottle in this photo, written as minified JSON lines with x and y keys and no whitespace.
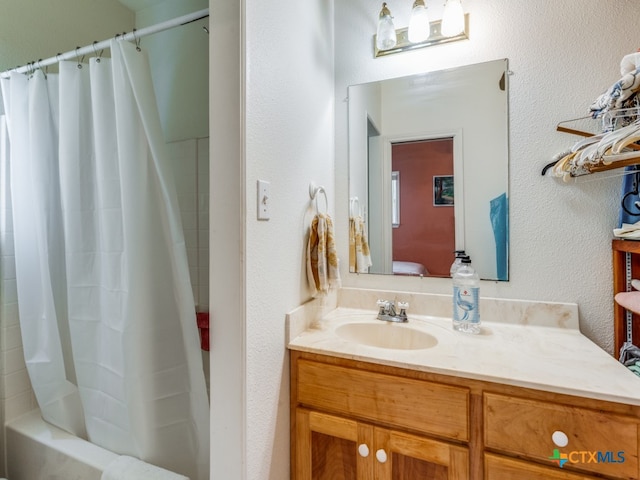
{"x":466,"y":302}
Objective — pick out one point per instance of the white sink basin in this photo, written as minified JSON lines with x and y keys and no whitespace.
{"x":386,"y":335}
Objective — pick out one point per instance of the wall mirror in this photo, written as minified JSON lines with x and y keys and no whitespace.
{"x":428,"y":172}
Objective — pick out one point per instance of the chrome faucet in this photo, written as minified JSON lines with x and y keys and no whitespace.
{"x":388,"y":312}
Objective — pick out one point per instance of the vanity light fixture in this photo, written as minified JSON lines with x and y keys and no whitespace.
{"x":421,"y":32}
{"x":419,"y":26}
{"x":452,"y":18}
{"x":386,"y":35}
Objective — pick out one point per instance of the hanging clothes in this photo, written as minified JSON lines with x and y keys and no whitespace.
{"x":105,"y":300}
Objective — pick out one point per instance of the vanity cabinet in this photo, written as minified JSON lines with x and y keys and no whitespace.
{"x":360,"y":420}
{"x":336,"y":448}
{"x":351,"y":422}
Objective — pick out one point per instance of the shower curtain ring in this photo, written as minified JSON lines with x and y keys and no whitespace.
{"x":81,"y":60}
{"x":98,"y":55}
{"x":137,"y":41}
{"x":45,"y":71}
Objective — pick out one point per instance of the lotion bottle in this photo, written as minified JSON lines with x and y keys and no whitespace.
{"x":466,"y":298}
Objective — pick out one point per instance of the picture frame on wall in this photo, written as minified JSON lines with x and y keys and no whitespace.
{"x":443,"y":194}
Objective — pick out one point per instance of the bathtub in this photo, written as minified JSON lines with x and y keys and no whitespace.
{"x":37,"y":450}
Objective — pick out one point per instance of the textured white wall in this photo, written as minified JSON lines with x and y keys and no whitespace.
{"x":272,"y":119}
{"x":289,"y":116}
{"x":563,"y":54}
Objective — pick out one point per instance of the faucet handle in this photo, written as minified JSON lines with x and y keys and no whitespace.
{"x":402,"y":306}
{"x":384,"y":304}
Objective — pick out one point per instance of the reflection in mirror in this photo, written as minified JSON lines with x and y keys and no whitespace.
{"x":428,"y":172}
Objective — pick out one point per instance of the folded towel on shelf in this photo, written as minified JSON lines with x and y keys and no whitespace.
{"x":129,"y":468}
{"x":628,"y":230}
{"x":323,"y":271}
{"x":359,"y":254}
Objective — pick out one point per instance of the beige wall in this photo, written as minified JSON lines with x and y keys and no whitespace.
{"x":180,"y":68}
{"x":33,"y":29}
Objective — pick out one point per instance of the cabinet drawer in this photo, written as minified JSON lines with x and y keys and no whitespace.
{"x":500,"y":468}
{"x":599,"y":442}
{"x":404,"y":402}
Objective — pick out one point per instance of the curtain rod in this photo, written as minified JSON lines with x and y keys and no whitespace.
{"x":97,"y":46}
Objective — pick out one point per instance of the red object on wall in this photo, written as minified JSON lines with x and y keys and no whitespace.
{"x":426,"y":233}
{"x":202,"y":319}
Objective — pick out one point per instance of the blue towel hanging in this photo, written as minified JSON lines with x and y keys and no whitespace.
{"x":629,"y":210}
{"x":499,"y":214}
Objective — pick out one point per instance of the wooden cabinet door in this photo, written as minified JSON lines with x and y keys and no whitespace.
{"x":401,"y":456}
{"x":332,"y":448}
{"x":504,"y":468}
{"x":599,"y":442}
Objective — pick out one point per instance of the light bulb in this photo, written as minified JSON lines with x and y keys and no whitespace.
{"x":386,"y":35}
{"x":452,"y":19}
{"x":419,"y":27}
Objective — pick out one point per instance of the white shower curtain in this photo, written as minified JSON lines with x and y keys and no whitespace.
{"x":105,"y":300}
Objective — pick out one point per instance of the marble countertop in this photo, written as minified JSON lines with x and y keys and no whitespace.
{"x":539,"y":350}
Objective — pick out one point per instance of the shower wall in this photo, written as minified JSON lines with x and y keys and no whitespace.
{"x":190,"y":159}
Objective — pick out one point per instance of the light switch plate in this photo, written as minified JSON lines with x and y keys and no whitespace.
{"x":264,"y":200}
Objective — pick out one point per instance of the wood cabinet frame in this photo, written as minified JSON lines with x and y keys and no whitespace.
{"x":470,"y":448}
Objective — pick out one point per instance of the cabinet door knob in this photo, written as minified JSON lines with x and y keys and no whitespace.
{"x":560,"y":438}
{"x":381,"y":455}
{"x":363,"y":450}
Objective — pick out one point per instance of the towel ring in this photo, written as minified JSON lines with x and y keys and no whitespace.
{"x":354,"y":209}
{"x":313,"y":193}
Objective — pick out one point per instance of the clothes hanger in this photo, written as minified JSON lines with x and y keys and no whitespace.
{"x":598,"y":152}
{"x":560,"y":169}
{"x":631,"y":138}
